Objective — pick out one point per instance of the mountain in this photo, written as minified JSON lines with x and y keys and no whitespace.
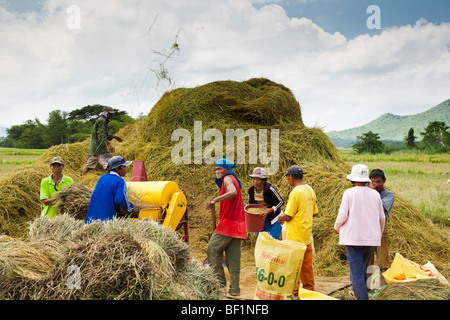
{"x":392,"y":127}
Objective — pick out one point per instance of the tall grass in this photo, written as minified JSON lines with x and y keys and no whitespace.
{"x":418,"y":177}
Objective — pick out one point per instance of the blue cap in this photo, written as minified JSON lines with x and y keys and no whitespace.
{"x":117,"y":161}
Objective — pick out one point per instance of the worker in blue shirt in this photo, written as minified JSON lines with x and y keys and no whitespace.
{"x":110,"y":193}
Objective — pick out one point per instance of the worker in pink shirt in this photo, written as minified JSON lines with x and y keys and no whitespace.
{"x":360,"y":223}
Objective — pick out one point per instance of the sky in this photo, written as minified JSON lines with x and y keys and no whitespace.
{"x":347,"y":62}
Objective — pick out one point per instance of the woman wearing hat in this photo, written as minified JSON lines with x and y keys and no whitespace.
{"x":360,"y":223}
{"x":262,"y":192}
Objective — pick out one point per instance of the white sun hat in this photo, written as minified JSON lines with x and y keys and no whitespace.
{"x":360,"y":173}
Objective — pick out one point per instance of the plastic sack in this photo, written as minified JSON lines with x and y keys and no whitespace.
{"x":304,"y":294}
{"x":278,"y":265}
{"x":403,"y":269}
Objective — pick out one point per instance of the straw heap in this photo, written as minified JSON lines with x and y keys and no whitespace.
{"x":74,"y":200}
{"x":427,"y":289}
{"x":122,"y":259}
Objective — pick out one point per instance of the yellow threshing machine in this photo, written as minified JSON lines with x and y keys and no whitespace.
{"x":164,"y":201}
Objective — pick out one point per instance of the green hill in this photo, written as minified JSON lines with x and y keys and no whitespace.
{"x":392,"y":127}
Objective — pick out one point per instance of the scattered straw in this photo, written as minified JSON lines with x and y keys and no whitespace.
{"x":428,"y":289}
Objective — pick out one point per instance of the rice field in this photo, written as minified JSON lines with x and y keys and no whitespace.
{"x":418,"y":177}
{"x":11,"y":158}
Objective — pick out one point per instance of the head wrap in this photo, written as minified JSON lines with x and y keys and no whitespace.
{"x":224,"y":163}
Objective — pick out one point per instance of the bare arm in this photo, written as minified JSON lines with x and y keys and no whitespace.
{"x":49,"y":202}
{"x":283,"y":218}
{"x":230,"y":193}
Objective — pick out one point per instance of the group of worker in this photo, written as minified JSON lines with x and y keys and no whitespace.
{"x":110,"y":193}
{"x":360,"y":223}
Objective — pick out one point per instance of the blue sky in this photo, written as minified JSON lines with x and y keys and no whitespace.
{"x":349,"y":16}
{"x":345,"y":16}
{"x":342,"y":73}
{"x":22,"y":5}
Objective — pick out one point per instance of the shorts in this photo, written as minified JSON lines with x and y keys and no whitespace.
{"x":101,"y":159}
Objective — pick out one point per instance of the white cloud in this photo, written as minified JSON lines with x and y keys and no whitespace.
{"x":340,"y":83}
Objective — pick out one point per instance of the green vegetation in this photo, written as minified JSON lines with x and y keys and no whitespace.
{"x":410,"y":139}
{"x":11,"y":158}
{"x":392,"y":127}
{"x":436,"y":139}
{"x":418,"y":177}
{"x":62,"y":127}
{"x":370,"y":142}
{"x":436,"y":135}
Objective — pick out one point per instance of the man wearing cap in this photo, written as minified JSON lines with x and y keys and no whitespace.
{"x":360,"y":223}
{"x":100,"y":149}
{"x":110,"y":193}
{"x":231,"y":227}
{"x":52,"y":184}
{"x":300,"y":209}
{"x":262,"y":192}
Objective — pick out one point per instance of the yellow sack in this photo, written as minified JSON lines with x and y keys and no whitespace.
{"x":405,"y":270}
{"x":304,"y":294}
{"x":278,"y":265}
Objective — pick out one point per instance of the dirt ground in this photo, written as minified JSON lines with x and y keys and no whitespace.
{"x":248,"y":279}
{"x":325,"y":285}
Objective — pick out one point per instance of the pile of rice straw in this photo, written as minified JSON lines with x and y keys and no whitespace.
{"x":123,"y":259}
{"x":426,"y":289}
{"x":74,"y":200}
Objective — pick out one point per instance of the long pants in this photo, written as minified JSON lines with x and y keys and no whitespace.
{"x":307,"y":271}
{"x":232,"y":248}
{"x":382,"y":252}
{"x":358,"y":260}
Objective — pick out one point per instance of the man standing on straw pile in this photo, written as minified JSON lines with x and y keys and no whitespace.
{"x":52,"y":184}
{"x":378,"y":179}
{"x":360,"y":223}
{"x":100,"y":149}
{"x":110,"y":193}
{"x":300,"y":209}
{"x":231,"y":227}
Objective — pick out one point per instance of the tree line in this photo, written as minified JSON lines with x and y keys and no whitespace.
{"x":436,"y":138}
{"x":62,"y":127}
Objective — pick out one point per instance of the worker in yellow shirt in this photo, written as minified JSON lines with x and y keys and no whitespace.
{"x":300,"y":209}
